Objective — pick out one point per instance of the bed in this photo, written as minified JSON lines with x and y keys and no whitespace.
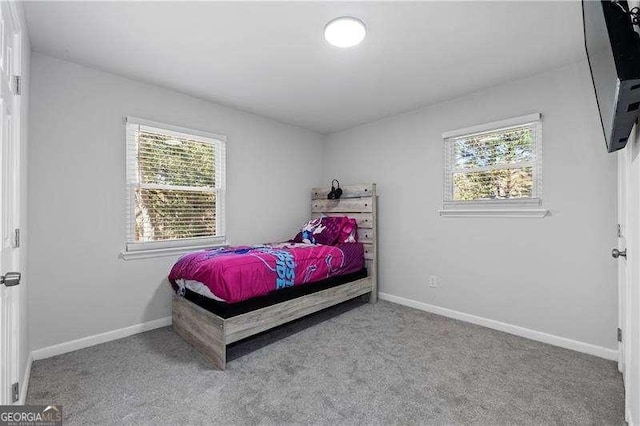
{"x":209,"y":324}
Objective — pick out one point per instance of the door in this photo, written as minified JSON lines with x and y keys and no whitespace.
{"x":623,"y":178}
{"x":10,"y":292}
{"x":629,"y":269}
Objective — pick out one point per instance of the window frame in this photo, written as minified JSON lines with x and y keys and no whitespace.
{"x":147,"y":249}
{"x":519,"y":207}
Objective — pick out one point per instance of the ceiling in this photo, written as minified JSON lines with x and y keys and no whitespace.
{"x":270,"y":58}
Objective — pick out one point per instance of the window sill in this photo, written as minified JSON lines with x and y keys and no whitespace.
{"x":150,"y":253}
{"x":486,"y":212}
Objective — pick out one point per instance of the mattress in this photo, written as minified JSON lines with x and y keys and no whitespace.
{"x":236,"y":274}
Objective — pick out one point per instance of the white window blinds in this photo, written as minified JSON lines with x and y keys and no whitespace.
{"x":494,"y":164}
{"x":175,"y":186}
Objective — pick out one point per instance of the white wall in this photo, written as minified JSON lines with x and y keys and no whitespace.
{"x":78,"y":285}
{"x":553,"y":275}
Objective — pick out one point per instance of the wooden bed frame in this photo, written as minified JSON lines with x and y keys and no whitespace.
{"x":210,"y":334}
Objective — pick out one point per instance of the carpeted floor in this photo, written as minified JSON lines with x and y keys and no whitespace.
{"x":354,"y":363}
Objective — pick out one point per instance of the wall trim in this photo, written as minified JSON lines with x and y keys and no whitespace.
{"x":96,"y":339}
{"x":24,"y":383}
{"x":494,"y":125}
{"x":489,"y":212}
{"x":551,"y":339}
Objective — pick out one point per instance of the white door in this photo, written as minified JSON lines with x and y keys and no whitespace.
{"x":629,"y":273}
{"x":10,"y":45}
{"x":623,"y":178}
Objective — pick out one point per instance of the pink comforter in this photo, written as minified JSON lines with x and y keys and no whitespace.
{"x":234,"y":274}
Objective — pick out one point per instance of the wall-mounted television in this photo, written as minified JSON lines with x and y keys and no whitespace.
{"x":613,"y":50}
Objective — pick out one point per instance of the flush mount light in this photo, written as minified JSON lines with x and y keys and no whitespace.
{"x":345,"y":31}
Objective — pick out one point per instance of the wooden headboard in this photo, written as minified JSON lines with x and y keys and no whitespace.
{"x":360,"y":203}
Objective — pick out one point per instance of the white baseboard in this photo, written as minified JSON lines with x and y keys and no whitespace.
{"x":108,"y":336}
{"x":599,"y":351}
{"x":24,"y":383}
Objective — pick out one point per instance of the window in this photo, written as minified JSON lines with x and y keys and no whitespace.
{"x":496,"y":165}
{"x":175,"y":187}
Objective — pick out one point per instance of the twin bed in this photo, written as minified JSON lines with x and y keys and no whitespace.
{"x":253,"y":289}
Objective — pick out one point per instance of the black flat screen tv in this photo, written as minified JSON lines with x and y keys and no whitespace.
{"x":613,"y":50}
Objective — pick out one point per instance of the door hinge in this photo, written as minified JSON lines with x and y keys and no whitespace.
{"x":16,"y":238}
{"x":15,"y":392}
{"x":18,"y":83}
{"x":619,"y":335}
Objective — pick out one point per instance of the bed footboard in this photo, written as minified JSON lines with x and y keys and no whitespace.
{"x":201,"y":329}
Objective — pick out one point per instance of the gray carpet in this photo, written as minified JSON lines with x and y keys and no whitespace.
{"x":354,"y":363}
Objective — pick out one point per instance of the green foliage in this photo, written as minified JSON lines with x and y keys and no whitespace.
{"x":505,"y":158}
{"x":165,"y":214}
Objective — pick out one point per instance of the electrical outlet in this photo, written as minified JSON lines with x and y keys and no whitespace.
{"x":433,"y":281}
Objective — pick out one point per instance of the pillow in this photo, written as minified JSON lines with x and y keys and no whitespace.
{"x":306,"y":232}
{"x":349,"y":232}
{"x":328,"y":231}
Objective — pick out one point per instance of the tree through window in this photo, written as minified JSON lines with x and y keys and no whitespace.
{"x":175,"y":185}
{"x":493,"y":165}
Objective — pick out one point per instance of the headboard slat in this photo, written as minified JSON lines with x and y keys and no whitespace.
{"x":364,"y":220}
{"x":368,"y":251}
{"x":349,"y":191}
{"x":366,"y":236}
{"x":368,"y":263}
{"x":348,"y":205}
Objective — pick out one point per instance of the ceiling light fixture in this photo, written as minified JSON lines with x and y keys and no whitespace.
{"x":345,"y":31}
